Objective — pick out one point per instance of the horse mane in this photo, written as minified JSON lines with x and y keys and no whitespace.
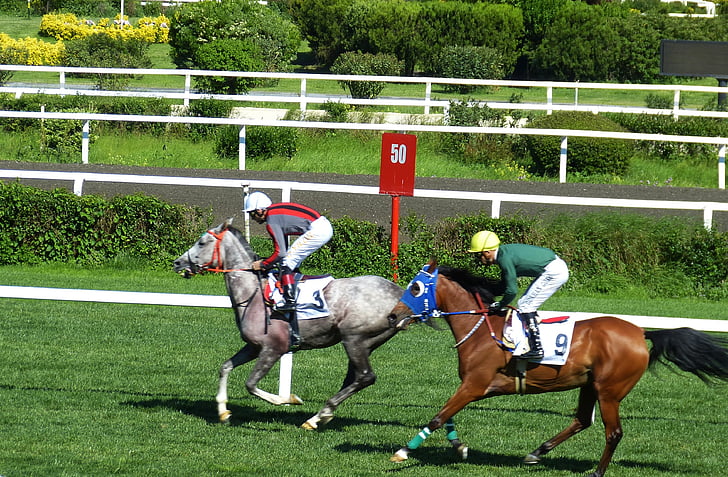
{"x":487,"y":288}
{"x":241,"y":238}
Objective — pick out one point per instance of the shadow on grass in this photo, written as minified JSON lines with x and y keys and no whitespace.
{"x":444,"y":456}
{"x":243,"y":415}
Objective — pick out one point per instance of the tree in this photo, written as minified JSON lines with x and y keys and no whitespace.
{"x":196,"y":24}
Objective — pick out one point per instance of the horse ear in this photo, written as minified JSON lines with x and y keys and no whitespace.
{"x":431,"y":265}
{"x":228,"y":222}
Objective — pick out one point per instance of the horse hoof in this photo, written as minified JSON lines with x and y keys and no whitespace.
{"x":293,"y":399}
{"x":308,"y":426}
{"x":399,"y":456}
{"x":225,"y":417}
{"x":463,"y":451}
{"x":531,"y":459}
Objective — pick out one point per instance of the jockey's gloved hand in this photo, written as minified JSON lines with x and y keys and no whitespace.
{"x":496,"y":307}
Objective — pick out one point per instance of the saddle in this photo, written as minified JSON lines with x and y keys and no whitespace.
{"x":310,"y":300}
{"x":556,"y":331}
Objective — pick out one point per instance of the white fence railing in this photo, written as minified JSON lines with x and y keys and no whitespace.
{"x":426,"y":101}
{"x":563,"y":133}
{"x":304,"y":98}
{"x":496,"y":198}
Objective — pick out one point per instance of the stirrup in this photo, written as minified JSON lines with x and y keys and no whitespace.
{"x":286,"y":306}
{"x":532,"y":354}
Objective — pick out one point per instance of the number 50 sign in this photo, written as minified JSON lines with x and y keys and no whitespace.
{"x":397,"y":170}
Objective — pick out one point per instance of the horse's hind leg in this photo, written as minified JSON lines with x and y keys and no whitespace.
{"x":246,"y":354}
{"x":583,"y":419}
{"x":357,"y":378}
{"x":359,"y":375}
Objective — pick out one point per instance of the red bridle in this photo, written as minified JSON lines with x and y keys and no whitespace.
{"x":216,"y":257}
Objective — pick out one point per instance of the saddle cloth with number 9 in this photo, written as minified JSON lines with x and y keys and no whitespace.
{"x":556,"y":332}
{"x":310,"y":302}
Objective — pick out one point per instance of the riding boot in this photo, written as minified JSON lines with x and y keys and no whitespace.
{"x":534,"y":337}
{"x":288,"y":282}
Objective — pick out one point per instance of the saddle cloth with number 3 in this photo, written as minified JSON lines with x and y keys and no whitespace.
{"x":310,"y":302}
{"x":556,"y":332}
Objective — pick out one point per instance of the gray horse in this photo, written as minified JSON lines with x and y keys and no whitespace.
{"x":358,"y":306}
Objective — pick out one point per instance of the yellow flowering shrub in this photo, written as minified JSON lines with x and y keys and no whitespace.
{"x":31,"y":51}
{"x":66,"y":26}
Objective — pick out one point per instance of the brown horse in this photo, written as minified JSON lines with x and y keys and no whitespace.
{"x":607,"y":358}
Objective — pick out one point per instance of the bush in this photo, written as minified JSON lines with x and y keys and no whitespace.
{"x":228,"y":55}
{"x":684,"y":126}
{"x":62,"y":136}
{"x":196,"y":24}
{"x":261,"y":142}
{"x":137,"y":106}
{"x":585,"y":155}
{"x":208,"y":108}
{"x":103,"y":51}
{"x":357,"y":248}
{"x":470,"y":62}
{"x":47,"y":226}
{"x":485,"y":149}
{"x":357,"y":63}
{"x":29,"y":51}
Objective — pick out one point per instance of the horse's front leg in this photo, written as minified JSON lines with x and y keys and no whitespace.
{"x":246,"y":354}
{"x":268,"y":356}
{"x":464,"y":395}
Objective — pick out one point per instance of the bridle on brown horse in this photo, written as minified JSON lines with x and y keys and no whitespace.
{"x":420,"y":297}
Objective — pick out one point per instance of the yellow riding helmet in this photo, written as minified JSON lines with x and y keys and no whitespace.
{"x":484,"y":240}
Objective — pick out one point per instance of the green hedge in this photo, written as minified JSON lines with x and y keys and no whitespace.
{"x":606,"y":252}
{"x":586,"y":155}
{"x":50,"y":226}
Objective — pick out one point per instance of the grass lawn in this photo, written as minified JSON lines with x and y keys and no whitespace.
{"x":99,"y":389}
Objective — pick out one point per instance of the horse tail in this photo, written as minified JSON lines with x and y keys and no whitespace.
{"x":692,"y":351}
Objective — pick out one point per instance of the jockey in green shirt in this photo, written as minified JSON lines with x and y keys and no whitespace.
{"x":522,"y":260}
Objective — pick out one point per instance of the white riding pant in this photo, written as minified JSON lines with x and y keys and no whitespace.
{"x":315,"y":237}
{"x":554,"y":275}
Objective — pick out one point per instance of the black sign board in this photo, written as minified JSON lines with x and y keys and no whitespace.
{"x":694,"y":58}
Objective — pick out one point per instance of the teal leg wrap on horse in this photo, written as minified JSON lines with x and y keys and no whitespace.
{"x":452,"y":434}
{"x":419,"y":438}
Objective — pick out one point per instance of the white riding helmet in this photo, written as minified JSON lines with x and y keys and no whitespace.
{"x":257,"y":200}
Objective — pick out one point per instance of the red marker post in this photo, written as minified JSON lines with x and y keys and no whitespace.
{"x":397,"y":178}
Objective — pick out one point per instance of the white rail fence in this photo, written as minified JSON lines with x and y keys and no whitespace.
{"x":495,"y":198}
{"x":305,"y":97}
{"x":427,"y":102}
{"x":411,"y":128}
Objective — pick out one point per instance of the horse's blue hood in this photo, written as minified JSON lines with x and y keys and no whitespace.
{"x":420,"y":293}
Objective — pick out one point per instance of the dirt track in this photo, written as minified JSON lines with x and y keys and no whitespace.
{"x":228,"y":202}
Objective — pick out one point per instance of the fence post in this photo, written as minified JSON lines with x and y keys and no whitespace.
{"x":78,"y":185}
{"x":549,"y":98}
{"x":721,"y":167}
{"x":303,"y":95}
{"x":676,"y":104}
{"x":85,"y":141}
{"x":428,"y":96}
{"x":241,"y":148}
{"x":188,"y":81}
{"x":562,"y":160}
{"x":496,"y":207}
